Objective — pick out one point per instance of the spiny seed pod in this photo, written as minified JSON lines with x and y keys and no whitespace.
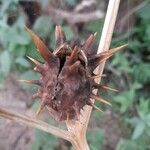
{"x":67,"y":78}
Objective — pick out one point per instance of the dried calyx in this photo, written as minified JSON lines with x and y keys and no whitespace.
{"x":67,"y":78}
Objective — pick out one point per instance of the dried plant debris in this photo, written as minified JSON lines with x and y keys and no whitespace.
{"x":67,"y":78}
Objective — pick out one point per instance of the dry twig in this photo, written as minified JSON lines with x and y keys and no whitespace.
{"x":32,"y":122}
{"x":74,"y":17}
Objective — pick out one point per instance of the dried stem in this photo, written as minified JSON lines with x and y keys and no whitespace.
{"x":79,"y":128}
{"x":74,"y":17}
{"x":76,"y":133}
{"x":33,"y":122}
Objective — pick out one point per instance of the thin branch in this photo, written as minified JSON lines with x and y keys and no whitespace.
{"x":106,"y":37}
{"x":85,"y":4}
{"x":74,"y":17}
{"x":105,"y":40}
{"x":32,"y":122}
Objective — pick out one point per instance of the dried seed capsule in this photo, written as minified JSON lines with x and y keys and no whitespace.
{"x":67,"y":76}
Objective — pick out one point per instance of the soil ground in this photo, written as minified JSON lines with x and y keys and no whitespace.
{"x":12,"y":135}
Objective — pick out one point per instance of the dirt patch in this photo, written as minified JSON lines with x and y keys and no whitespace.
{"x":12,"y":135}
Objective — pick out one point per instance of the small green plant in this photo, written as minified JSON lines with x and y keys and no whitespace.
{"x":134,"y":101}
{"x":13,"y":39}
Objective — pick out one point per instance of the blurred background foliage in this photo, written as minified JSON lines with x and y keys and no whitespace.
{"x":128,"y":71}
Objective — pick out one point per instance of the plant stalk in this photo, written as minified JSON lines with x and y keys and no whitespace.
{"x":79,"y":128}
{"x":34,"y":122}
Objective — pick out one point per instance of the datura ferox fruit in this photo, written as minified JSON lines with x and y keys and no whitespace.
{"x":67,"y":77}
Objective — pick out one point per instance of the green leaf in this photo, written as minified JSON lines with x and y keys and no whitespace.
{"x":71,"y":2}
{"x":139,"y":129}
{"x":96,"y":139}
{"x":141,"y":73}
{"x":144,"y":106}
{"x":133,"y":121}
{"x":43,"y":26}
{"x":134,"y":45}
{"x":144,"y":12}
{"x":68,"y":32}
{"x":147,"y":37}
{"x":132,"y":145}
{"x":44,"y":141}
{"x":23,"y":62}
{"x":122,"y":63}
{"x":94,"y":26}
{"x":5,"y":62}
{"x":15,"y":36}
{"x":125,"y":100}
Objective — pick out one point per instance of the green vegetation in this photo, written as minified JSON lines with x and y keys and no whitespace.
{"x":134,"y":101}
{"x":128,"y":71}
